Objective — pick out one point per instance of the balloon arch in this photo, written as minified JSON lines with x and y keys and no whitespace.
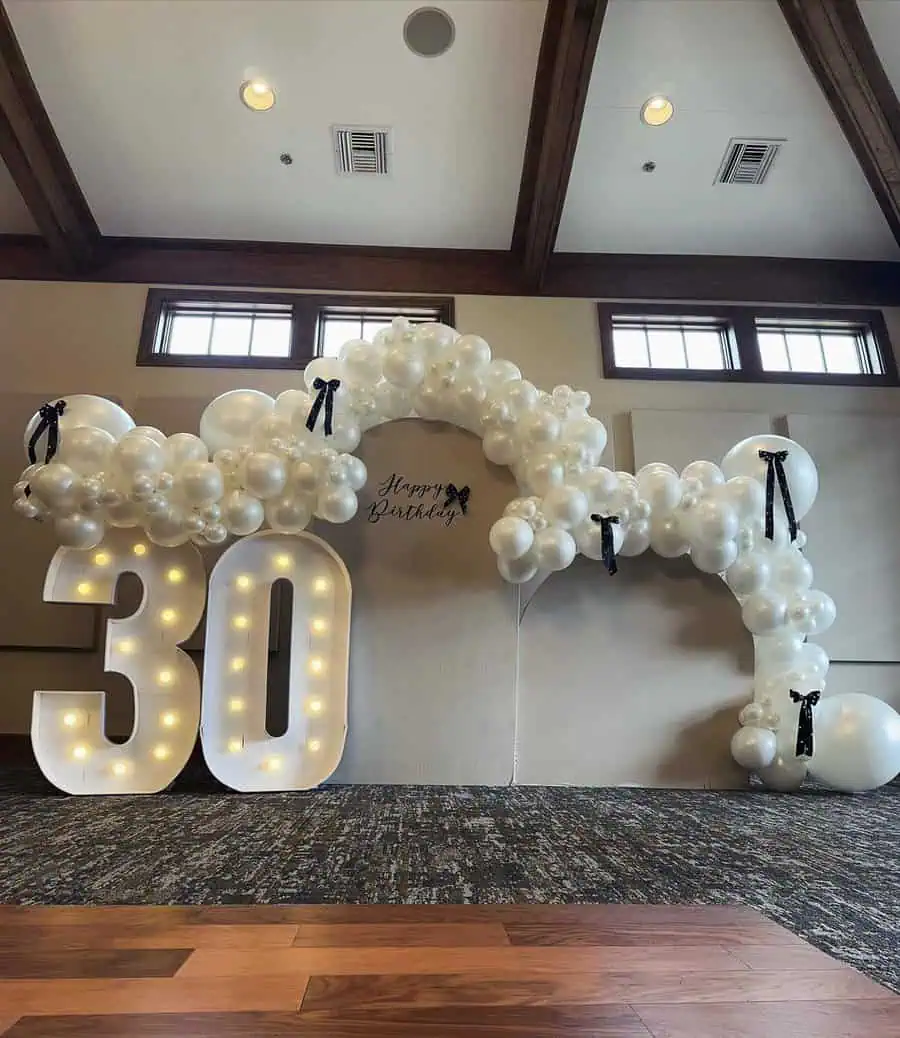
{"x":271,"y":463}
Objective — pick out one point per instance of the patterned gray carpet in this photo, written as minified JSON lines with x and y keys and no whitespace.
{"x":823,"y":865}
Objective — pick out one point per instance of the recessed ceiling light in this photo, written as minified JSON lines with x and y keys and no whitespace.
{"x":257,"y":95}
{"x":429,"y":32}
{"x":657,"y":111}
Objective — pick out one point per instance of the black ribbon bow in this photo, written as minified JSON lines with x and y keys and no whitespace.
{"x":805,"y":721}
{"x":460,"y":494}
{"x":775,"y":470}
{"x":325,"y":390}
{"x":607,"y":547}
{"x":49,"y":415}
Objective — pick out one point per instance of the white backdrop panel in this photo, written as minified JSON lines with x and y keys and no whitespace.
{"x":680,"y":437}
{"x":632,"y":679}
{"x":853,"y":542}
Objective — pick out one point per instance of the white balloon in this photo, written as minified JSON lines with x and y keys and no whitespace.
{"x":589,"y":539}
{"x":511,"y":537}
{"x":538,"y":428}
{"x":181,"y":448}
{"x":748,"y":574}
{"x":519,"y":394}
{"x":714,"y":560}
{"x":391,"y":401}
{"x":554,"y":549}
{"x":712,"y":523}
{"x":263,"y":475}
{"x":517,"y":571}
{"x":666,"y":538}
{"x":803,"y":481}
{"x":83,"y":409}
{"x":242,"y":513}
{"x":78,"y":531}
{"x":747,"y":495}
{"x":200,"y":482}
{"x":600,"y":485}
{"x":588,"y":432}
{"x":404,"y":367}
{"x":84,"y":449}
{"x":752,"y":715}
{"x":637,"y":538}
{"x":787,"y":771}
{"x":500,"y":447}
{"x":157,"y":435}
{"x":291,"y":401}
{"x":228,"y":422}
{"x":325,"y":368}
{"x":706,"y":473}
{"x":566,"y":506}
{"x":56,"y":486}
{"x":356,"y":471}
{"x":472,"y":352}
{"x":362,"y":362}
{"x":275,"y":427}
{"x":122,"y":513}
{"x":346,"y":434}
{"x":136,"y":453}
{"x":544,"y":471}
{"x":753,"y":748}
{"x":168,"y":531}
{"x":764,"y":612}
{"x":790,"y":570}
{"x":777,"y":653}
{"x":500,"y":371}
{"x":660,"y":487}
{"x":856,"y":742}
{"x":337,"y":505}
{"x":288,"y":514}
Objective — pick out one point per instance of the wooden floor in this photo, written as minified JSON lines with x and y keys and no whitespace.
{"x":430,"y":971}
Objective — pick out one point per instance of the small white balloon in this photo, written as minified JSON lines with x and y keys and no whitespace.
{"x":362,"y":362}
{"x":337,"y":505}
{"x":84,"y":449}
{"x":122,"y":513}
{"x":511,"y":537}
{"x":169,"y":531}
{"x":181,"y":448}
{"x":787,"y":771}
{"x":748,"y":574}
{"x":554,"y":549}
{"x":519,"y":394}
{"x":600,"y":485}
{"x":544,"y":471}
{"x":716,"y":559}
{"x":660,"y":487}
{"x":764,"y":612}
{"x":404,"y":367}
{"x":566,"y":506}
{"x":706,"y":473}
{"x":263,"y":475}
{"x":747,"y":495}
{"x":78,"y":531}
{"x":637,"y":538}
{"x":356,"y":471}
{"x":517,"y":571}
{"x":589,"y":539}
{"x":150,"y":430}
{"x":242,"y":513}
{"x":56,"y":485}
{"x":200,"y":482}
{"x":472,"y":352}
{"x":666,"y":538}
{"x":288,"y":514}
{"x":812,"y":612}
{"x":588,"y":432}
{"x":136,"y":453}
{"x":500,"y":447}
{"x":753,"y":748}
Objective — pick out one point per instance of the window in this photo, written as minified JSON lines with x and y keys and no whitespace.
{"x":201,"y":328}
{"x":745,"y":344}
{"x":339,"y":322}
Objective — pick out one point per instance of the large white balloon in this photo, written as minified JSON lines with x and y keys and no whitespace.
{"x":83,"y":409}
{"x":803,"y":481}
{"x":227,"y":423}
{"x":753,"y":748}
{"x":856,"y":742}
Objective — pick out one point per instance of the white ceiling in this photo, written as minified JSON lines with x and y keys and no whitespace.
{"x":732,"y":70}
{"x":14,"y":217}
{"x":144,"y":99}
{"x":882,"y":18}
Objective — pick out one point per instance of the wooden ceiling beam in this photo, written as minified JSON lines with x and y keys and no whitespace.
{"x":31,"y":151}
{"x":839,"y":50}
{"x":569,"y":45}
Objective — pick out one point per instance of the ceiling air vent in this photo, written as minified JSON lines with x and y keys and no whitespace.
{"x":747,"y":161}
{"x":361,"y":149}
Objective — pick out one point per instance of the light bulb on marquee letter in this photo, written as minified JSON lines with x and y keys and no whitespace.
{"x":144,"y":648}
{"x":238,"y":749}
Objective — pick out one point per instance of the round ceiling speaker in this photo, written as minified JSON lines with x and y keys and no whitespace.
{"x":429,"y":32}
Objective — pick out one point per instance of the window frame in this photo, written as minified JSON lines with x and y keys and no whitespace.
{"x":305,"y":312}
{"x":741,"y":322}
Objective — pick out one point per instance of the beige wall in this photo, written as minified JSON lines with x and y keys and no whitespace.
{"x":58,"y":338}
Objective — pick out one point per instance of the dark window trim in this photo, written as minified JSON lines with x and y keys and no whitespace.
{"x":742,"y":325}
{"x":305,"y":310}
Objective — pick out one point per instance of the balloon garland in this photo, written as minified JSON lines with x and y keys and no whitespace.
{"x":260,"y":461}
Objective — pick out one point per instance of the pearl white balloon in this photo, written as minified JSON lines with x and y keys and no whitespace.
{"x":290,"y":401}
{"x":84,"y":449}
{"x":517,"y":571}
{"x":753,"y":748}
{"x":803,"y":481}
{"x":764,"y":612}
{"x":263,"y":475}
{"x":326,"y":368}
{"x":275,"y":427}
{"x":566,"y":506}
{"x":136,"y":453}
{"x":200,"y":482}
{"x":554,"y":549}
{"x":500,"y":447}
{"x":543,"y":472}
{"x":637,"y":538}
{"x":123,"y":513}
{"x":588,"y":432}
{"x":78,"y":531}
{"x":787,"y":771}
{"x":157,"y":435}
{"x":812,"y":612}
{"x":600,"y":485}
{"x":791,"y":571}
{"x":519,"y":394}
{"x":55,"y":485}
{"x":712,"y":523}
{"x":215,"y":533}
{"x":500,"y":371}
{"x":392,"y":401}
{"x":169,"y":531}
{"x":362,"y":362}
{"x":356,"y":471}
{"x":83,"y":409}
{"x":303,"y":478}
{"x":747,"y":495}
{"x":539,"y":428}
{"x":472,"y":352}
{"x":748,"y":574}
{"x":26,"y":508}
{"x":666,"y":538}
{"x":404,"y":367}
{"x":242,"y":513}
{"x":777,"y":653}
{"x":589,"y":539}
{"x":228,"y":422}
{"x":705,"y":472}
{"x":716,"y":559}
{"x":856,"y":742}
{"x":337,"y":505}
{"x":181,"y":448}
{"x":511,"y":538}
{"x":751,"y":716}
{"x":346,"y":434}
{"x":660,"y":487}
{"x":288,"y":514}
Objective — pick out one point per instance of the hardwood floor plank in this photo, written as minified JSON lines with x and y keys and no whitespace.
{"x":151,"y":995}
{"x":336,"y":961}
{"x":46,"y":965}
{"x":400,"y":935}
{"x":6,"y":1023}
{"x":614,"y":914}
{"x":874,"y":1018}
{"x":640,"y":933}
{"x":78,"y":936}
{"x":785,"y":957}
{"x":483,"y":1022}
{"x":515,"y":988}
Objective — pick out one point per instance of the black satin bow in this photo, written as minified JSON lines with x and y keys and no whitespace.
{"x":325,"y":395}
{"x":50,"y":415}
{"x":775,"y":470}
{"x":607,"y":546}
{"x":805,"y":721}
{"x":460,"y":494}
